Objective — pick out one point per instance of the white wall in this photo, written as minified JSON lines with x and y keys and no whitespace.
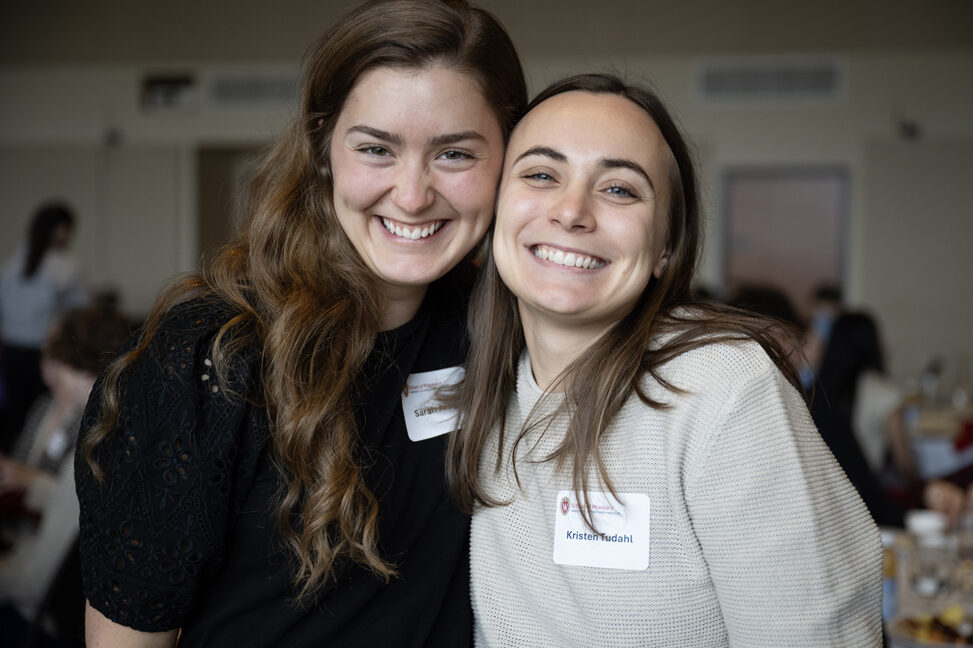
{"x":54,"y":121}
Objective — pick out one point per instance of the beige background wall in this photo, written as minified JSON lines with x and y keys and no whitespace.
{"x":71,"y":126}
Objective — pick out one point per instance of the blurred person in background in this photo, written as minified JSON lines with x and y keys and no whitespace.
{"x":39,"y":474}
{"x":850,"y":385}
{"x":38,"y":283}
{"x":826,"y":307}
{"x":250,"y":473}
{"x":773,"y":303}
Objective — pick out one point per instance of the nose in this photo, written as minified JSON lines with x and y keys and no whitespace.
{"x":573,"y":210}
{"x":413,"y":189}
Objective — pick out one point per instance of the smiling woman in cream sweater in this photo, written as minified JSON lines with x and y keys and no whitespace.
{"x":641,"y":470}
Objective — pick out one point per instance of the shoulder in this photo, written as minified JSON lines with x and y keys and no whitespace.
{"x":182,"y":344}
{"x":720,"y":366}
{"x":175,"y":407}
{"x":178,"y":463}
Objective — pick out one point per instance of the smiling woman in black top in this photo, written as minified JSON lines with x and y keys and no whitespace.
{"x":245,"y":473}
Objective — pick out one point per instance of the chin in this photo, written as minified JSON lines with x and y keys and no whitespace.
{"x":415,"y":278}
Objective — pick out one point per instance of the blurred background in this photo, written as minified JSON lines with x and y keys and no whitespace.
{"x":835,"y":138}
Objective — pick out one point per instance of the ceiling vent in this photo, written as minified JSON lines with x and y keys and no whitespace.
{"x":771,"y":79}
{"x":253,"y":89}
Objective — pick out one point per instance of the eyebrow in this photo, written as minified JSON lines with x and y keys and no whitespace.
{"x":616,"y":163}
{"x":379,"y":134}
{"x":607,"y":163}
{"x":545,"y":151}
{"x":453,"y":138}
{"x":438,"y":140}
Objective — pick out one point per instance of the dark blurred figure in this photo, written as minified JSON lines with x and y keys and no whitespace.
{"x":766,"y":300}
{"x":772,"y":302}
{"x":37,"y":481}
{"x":852,"y":350}
{"x":38,"y":283}
{"x":826,"y":307}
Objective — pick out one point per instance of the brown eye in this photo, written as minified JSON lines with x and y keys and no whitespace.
{"x":455,"y":155}
{"x":377,"y":151}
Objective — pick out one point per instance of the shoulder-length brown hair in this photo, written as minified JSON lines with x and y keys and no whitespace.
{"x":301,"y":291}
{"x":602,"y":378}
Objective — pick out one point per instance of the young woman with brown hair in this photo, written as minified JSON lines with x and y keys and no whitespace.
{"x":247,"y":474}
{"x":643,"y":473}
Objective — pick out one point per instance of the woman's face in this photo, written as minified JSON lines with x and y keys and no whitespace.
{"x":415,"y":158}
{"x":581,"y":212}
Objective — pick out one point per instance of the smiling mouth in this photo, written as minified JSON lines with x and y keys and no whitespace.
{"x":568,"y":259}
{"x":412,"y":233}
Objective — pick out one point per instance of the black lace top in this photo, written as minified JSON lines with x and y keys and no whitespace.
{"x":182,"y":533}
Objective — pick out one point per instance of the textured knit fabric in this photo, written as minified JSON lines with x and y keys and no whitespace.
{"x":183,"y":533}
{"x":757,"y":539}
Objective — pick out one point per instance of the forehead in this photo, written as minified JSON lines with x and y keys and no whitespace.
{"x":594,"y":125}
{"x":389,"y":92}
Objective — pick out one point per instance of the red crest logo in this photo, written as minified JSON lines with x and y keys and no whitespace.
{"x":565,"y":506}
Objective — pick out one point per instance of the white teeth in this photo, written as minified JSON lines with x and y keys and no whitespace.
{"x":569,"y":259}
{"x":413,"y":234}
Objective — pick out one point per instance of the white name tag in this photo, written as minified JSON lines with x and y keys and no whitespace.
{"x":622,"y":540}
{"x":425,"y":417}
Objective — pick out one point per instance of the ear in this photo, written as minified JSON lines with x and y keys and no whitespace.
{"x":661,"y":265}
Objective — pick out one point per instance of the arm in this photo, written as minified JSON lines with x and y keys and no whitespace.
{"x":101,"y":632}
{"x":793,"y":553}
{"x":15,"y":476}
{"x":900,"y":446}
{"x":156,"y":527}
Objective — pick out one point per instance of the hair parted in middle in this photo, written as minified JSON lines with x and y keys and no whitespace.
{"x":304,"y":295}
{"x":597,"y":383}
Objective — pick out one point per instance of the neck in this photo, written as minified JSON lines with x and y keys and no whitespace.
{"x":553,"y":345}
{"x":401,"y":305}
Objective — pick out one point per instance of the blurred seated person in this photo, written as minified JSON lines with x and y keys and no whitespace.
{"x":949,"y":498}
{"x":39,"y":476}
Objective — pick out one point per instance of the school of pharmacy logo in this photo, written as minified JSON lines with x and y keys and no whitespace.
{"x":565,"y":506}
{"x":405,"y":389}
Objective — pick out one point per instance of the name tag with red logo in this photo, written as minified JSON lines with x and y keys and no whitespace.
{"x":621,"y":536}
{"x":426,"y":417}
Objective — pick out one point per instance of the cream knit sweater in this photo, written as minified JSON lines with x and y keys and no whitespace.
{"x":756,"y":538}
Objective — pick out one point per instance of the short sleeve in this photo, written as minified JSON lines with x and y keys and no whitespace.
{"x":793,"y":553}
{"x":177,"y":464}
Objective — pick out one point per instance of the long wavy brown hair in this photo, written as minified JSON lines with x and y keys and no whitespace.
{"x":301,"y":292}
{"x":605,"y":375}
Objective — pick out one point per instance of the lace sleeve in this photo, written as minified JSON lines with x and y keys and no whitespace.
{"x":183,"y":449}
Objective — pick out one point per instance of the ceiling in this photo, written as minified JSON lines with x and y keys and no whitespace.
{"x":117,"y":31}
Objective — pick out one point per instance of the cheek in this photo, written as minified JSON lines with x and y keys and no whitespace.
{"x":473,"y":192}
{"x":355,"y":185}
{"x":517,"y":211}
